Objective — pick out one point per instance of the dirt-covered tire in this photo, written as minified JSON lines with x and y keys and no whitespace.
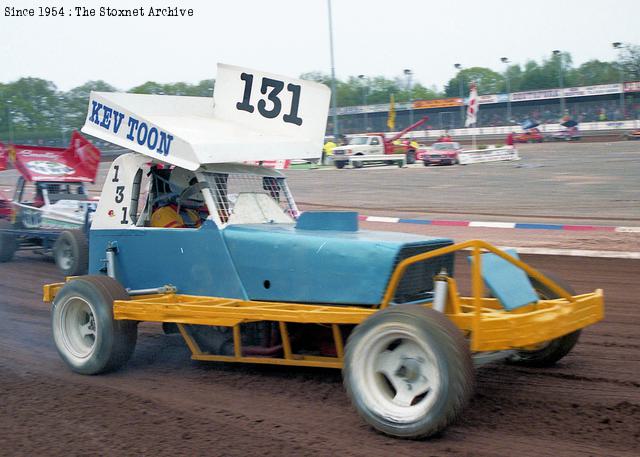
{"x":8,"y":242}
{"x":86,"y":336}
{"x":411,"y":157}
{"x":339,"y":164}
{"x":552,"y":351}
{"x":408,"y":371}
{"x":71,"y":253}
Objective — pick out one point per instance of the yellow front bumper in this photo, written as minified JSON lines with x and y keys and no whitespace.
{"x":497,"y":329}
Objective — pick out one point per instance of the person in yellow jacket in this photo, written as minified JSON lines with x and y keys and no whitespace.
{"x":327,"y":150}
{"x":179,"y":202}
{"x":170,"y":216}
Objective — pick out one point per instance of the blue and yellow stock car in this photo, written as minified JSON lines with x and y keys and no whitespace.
{"x":217,"y":250}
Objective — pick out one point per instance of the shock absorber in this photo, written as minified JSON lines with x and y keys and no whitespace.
{"x":441,"y":286}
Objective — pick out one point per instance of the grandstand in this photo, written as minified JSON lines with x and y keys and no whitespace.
{"x":584,"y":104}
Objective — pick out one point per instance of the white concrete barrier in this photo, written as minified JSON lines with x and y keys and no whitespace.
{"x":488,"y":155}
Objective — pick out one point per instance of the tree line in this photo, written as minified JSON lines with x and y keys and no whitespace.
{"x":34,"y":108}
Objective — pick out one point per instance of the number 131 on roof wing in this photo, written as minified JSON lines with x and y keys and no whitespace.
{"x":271,"y":88}
{"x":270,"y":101}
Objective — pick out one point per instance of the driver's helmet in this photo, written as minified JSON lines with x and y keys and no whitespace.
{"x":185,"y":184}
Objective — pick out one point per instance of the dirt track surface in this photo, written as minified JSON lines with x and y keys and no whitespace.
{"x":163,"y":403}
{"x":580,"y":183}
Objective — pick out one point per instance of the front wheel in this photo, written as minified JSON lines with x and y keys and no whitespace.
{"x":339,"y":164}
{"x":86,"y":336}
{"x":548,"y":353}
{"x":408,"y":371}
{"x":411,"y":157}
{"x":8,"y":242}
{"x":71,"y":253}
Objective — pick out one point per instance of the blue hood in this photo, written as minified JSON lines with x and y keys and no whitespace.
{"x":279,"y":262}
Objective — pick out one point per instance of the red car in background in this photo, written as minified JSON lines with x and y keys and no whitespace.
{"x":529,"y":136}
{"x":445,"y":153}
{"x":633,"y":135}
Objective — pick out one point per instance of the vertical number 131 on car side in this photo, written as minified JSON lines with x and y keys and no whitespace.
{"x":271,"y":107}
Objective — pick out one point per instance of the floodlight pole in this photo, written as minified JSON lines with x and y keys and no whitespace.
{"x":365,"y":89}
{"x":10,"y":119}
{"x":408,"y":73}
{"x":333,"y":76}
{"x":506,"y":62}
{"x":458,"y":67}
{"x":618,"y":45}
{"x":562,"y":105}
{"x":61,"y":99}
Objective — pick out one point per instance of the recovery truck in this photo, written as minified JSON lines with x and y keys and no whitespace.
{"x":375,"y":147}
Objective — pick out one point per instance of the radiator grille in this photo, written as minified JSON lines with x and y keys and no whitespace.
{"x":417,"y":281}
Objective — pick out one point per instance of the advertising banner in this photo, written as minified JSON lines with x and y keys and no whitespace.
{"x":632,"y":86}
{"x":440,"y":103}
{"x":586,"y":91}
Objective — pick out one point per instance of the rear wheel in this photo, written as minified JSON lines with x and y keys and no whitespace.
{"x":71,"y":253}
{"x":549,"y":352}
{"x":408,"y":371}
{"x":8,"y":242}
{"x":86,"y":336}
{"x":411,"y":157}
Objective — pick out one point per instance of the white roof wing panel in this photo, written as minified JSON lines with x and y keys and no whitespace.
{"x":253,"y":116}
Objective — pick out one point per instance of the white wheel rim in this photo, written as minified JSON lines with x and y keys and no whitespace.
{"x":397,"y":374}
{"x":77,"y":327}
{"x":64,"y":256}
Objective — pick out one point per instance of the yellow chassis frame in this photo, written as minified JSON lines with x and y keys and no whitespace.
{"x":488,"y":326}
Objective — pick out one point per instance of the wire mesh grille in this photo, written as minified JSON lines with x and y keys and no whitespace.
{"x":417,"y":281}
{"x":227,"y":189}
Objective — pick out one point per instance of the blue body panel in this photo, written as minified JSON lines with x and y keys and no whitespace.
{"x":328,"y":220}
{"x":273,"y":262}
{"x":321,"y":266}
{"x":196,"y":261}
{"x":507,"y":283}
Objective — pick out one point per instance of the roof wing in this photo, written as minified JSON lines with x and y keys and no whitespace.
{"x":77,"y":163}
{"x":253,"y":116}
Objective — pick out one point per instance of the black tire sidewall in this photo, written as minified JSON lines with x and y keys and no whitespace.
{"x":557,"y":348}
{"x":411,"y":157}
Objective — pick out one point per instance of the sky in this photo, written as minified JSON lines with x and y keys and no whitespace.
{"x":291,"y":37}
